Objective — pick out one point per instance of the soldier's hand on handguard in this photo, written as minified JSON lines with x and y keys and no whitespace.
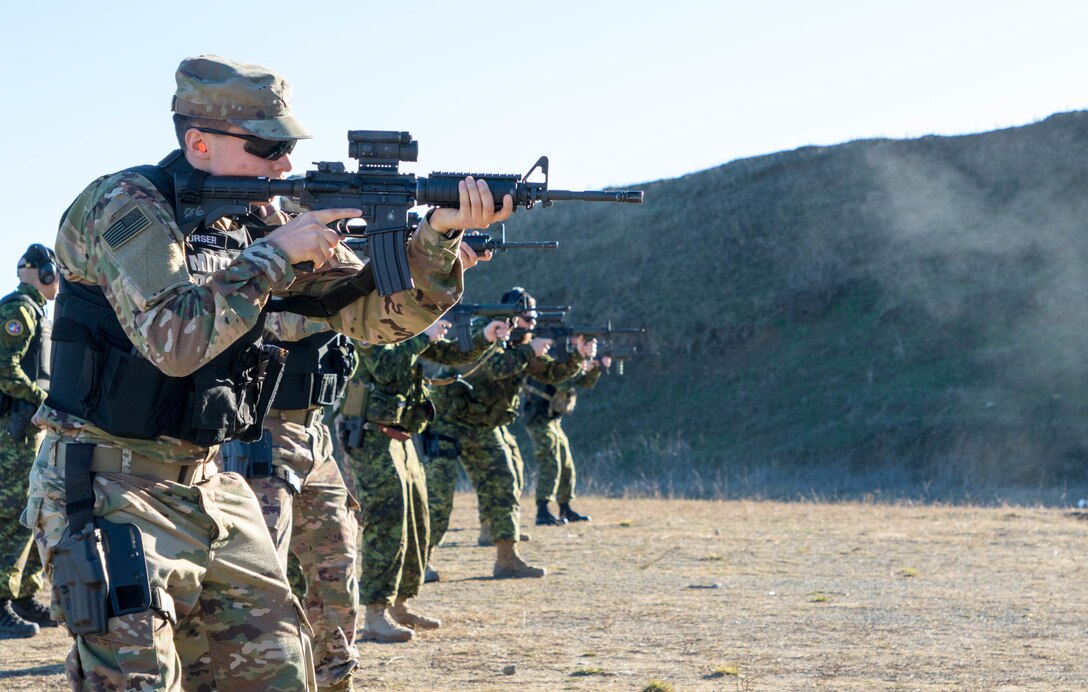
{"x":469,"y":257}
{"x":540,"y":346}
{"x":307,"y":237}
{"x":477,"y":210}
{"x":587,"y":347}
{"x":497,"y":330}
{"x":437,"y":330}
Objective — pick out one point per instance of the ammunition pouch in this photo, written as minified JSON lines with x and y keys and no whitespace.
{"x":254,"y":460}
{"x":351,"y":432}
{"x":316,"y":371}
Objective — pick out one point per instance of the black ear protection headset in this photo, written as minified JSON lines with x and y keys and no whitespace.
{"x":44,"y":259}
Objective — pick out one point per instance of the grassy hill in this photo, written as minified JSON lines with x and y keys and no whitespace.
{"x":910,"y":308}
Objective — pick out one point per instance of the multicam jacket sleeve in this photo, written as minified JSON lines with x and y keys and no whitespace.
{"x":120,"y":235}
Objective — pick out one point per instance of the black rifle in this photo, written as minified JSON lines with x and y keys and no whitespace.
{"x":551,"y":326}
{"x":619,"y":354}
{"x":378,"y":189}
{"x":479,"y":242}
{"x":461,"y":315}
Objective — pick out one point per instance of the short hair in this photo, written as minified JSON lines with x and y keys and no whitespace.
{"x":184,"y":123}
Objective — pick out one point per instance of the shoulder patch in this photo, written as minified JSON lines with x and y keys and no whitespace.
{"x":125,"y":228}
{"x":13,"y":327}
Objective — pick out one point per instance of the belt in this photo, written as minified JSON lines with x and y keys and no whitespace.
{"x":119,"y":460}
{"x":301,"y":416}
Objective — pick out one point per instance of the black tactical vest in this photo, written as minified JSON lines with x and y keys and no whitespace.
{"x":100,"y":377}
{"x":317,"y":371}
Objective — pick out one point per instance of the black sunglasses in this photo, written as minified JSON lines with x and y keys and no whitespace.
{"x":261,"y":148}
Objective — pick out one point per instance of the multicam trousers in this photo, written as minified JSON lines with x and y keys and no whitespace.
{"x":317,"y":526}
{"x":235,"y":623}
{"x":394,"y":516}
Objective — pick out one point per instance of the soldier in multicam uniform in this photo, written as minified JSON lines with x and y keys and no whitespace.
{"x":306,"y":505}
{"x":24,"y":379}
{"x":157,"y":358}
{"x":470,"y":427}
{"x":392,"y":405}
{"x":542,"y":411}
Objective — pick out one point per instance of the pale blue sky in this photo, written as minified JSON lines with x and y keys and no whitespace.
{"x":614,"y":92}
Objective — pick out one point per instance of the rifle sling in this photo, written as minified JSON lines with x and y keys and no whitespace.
{"x":330,"y":303}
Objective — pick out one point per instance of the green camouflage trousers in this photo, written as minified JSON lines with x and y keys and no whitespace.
{"x":511,"y":443}
{"x":318,"y":527}
{"x":554,"y":463}
{"x":396,"y":525}
{"x":490,"y":464}
{"x":20,"y":565}
{"x":209,"y":554}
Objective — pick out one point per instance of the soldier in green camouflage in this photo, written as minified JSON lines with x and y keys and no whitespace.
{"x":542,"y":412}
{"x":470,"y":427}
{"x":24,"y":379}
{"x":388,"y":402}
{"x":158,"y":357}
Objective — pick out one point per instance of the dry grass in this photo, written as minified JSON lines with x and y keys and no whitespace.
{"x":831,"y":596}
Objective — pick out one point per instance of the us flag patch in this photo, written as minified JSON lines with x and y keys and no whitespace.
{"x":126,"y":227}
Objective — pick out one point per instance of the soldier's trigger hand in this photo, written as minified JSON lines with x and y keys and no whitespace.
{"x":477,"y":208}
{"x":307,"y":237}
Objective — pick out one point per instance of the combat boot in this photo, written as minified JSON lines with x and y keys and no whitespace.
{"x":431,"y":576}
{"x":509,"y":565}
{"x":544,"y":516}
{"x":12,"y":626}
{"x":30,"y":610}
{"x":405,"y":617}
{"x":378,"y":628}
{"x":568,"y":514}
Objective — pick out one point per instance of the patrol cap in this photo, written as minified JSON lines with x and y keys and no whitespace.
{"x":248,"y":96}
{"x":520,"y":297}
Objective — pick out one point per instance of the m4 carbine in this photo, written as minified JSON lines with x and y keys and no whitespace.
{"x":551,"y":326}
{"x":461,"y":316}
{"x":479,"y":242}
{"x":378,"y":189}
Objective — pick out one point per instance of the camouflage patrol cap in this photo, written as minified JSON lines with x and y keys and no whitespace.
{"x":248,"y":96}
{"x":520,"y":297}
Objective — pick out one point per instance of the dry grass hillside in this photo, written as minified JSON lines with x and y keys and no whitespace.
{"x":906,"y":315}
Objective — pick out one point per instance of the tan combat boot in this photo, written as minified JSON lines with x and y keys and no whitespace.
{"x":378,"y":628}
{"x":405,"y":617}
{"x":508,"y":565}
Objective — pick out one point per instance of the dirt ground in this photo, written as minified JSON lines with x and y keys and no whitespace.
{"x":739,"y":596}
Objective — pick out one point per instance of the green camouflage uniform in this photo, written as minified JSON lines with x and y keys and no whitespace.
{"x":391,"y":482}
{"x":317,"y":524}
{"x":551,"y":448}
{"x":208,"y":552}
{"x":471,"y":423}
{"x":20,"y":566}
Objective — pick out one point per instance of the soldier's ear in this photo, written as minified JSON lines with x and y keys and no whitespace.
{"x":195,"y":144}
